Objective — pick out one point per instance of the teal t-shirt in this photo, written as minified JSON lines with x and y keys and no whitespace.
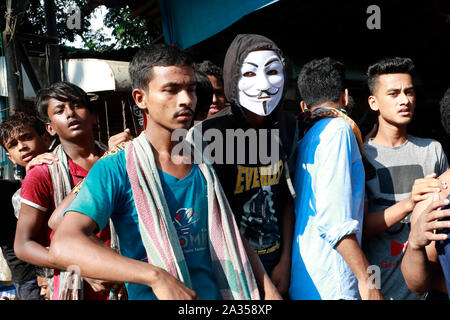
{"x":188,"y":205}
{"x":106,"y":193}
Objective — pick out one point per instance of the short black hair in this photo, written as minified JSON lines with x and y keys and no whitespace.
{"x":321,"y":80}
{"x":44,"y":272}
{"x":158,"y":55}
{"x":388,"y":66}
{"x":209,"y":68}
{"x":16,"y":123}
{"x":445,"y":111}
{"x":204,"y":91}
{"x":62,"y":91}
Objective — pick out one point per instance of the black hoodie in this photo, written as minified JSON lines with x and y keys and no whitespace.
{"x":255,"y":199}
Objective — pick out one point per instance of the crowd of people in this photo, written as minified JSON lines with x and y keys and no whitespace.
{"x":248,"y":202}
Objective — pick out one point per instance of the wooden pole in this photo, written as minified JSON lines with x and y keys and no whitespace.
{"x":107,"y":121}
{"x":53,"y":67}
{"x":13,"y":70}
{"x":123,"y":115}
{"x":22,"y":55}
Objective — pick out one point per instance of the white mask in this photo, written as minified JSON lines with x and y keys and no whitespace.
{"x":261,"y":84}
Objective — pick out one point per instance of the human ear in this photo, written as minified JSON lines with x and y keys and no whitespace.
{"x":49,"y":128}
{"x":345,"y":98}
{"x":303,"y":106}
{"x":373,"y":103}
{"x":139,"y":96}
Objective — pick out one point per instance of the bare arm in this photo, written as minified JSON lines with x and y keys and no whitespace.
{"x":380,"y":221}
{"x":30,"y":234}
{"x":350,"y":250}
{"x":265,"y":285}
{"x":43,"y":158}
{"x":420,"y":265}
{"x":57,"y":215}
{"x":55,"y":220}
{"x":71,"y":246}
{"x":282,"y":271}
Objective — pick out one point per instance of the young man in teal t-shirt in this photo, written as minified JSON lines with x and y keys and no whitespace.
{"x":164,"y":88}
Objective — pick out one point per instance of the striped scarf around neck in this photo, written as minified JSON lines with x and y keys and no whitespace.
{"x":230,"y":263}
{"x":70,"y":281}
{"x":309,"y":118}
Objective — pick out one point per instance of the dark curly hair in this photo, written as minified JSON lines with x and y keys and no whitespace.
{"x":209,"y":68}
{"x":18,"y":122}
{"x":387,"y":66}
{"x":321,"y":80}
{"x":204,"y":91}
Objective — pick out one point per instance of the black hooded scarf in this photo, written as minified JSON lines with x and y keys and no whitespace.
{"x":256,"y":199}
{"x":241,"y":46}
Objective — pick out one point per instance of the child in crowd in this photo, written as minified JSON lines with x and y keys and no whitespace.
{"x":24,"y":138}
{"x":66,"y":112}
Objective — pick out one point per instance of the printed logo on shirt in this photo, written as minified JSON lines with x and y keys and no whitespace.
{"x":397,"y":179}
{"x":185,"y":219}
{"x":388,"y":265}
{"x":191,"y":238}
{"x":398,"y":248}
{"x":194,"y":242}
{"x":254,"y":177}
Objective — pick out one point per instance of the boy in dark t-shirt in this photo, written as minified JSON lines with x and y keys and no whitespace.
{"x":256,"y":140}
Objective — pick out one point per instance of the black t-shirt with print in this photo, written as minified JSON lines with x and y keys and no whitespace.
{"x":252,"y":172}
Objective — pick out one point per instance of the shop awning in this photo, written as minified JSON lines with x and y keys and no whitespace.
{"x":92,"y":75}
{"x":186,"y":23}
